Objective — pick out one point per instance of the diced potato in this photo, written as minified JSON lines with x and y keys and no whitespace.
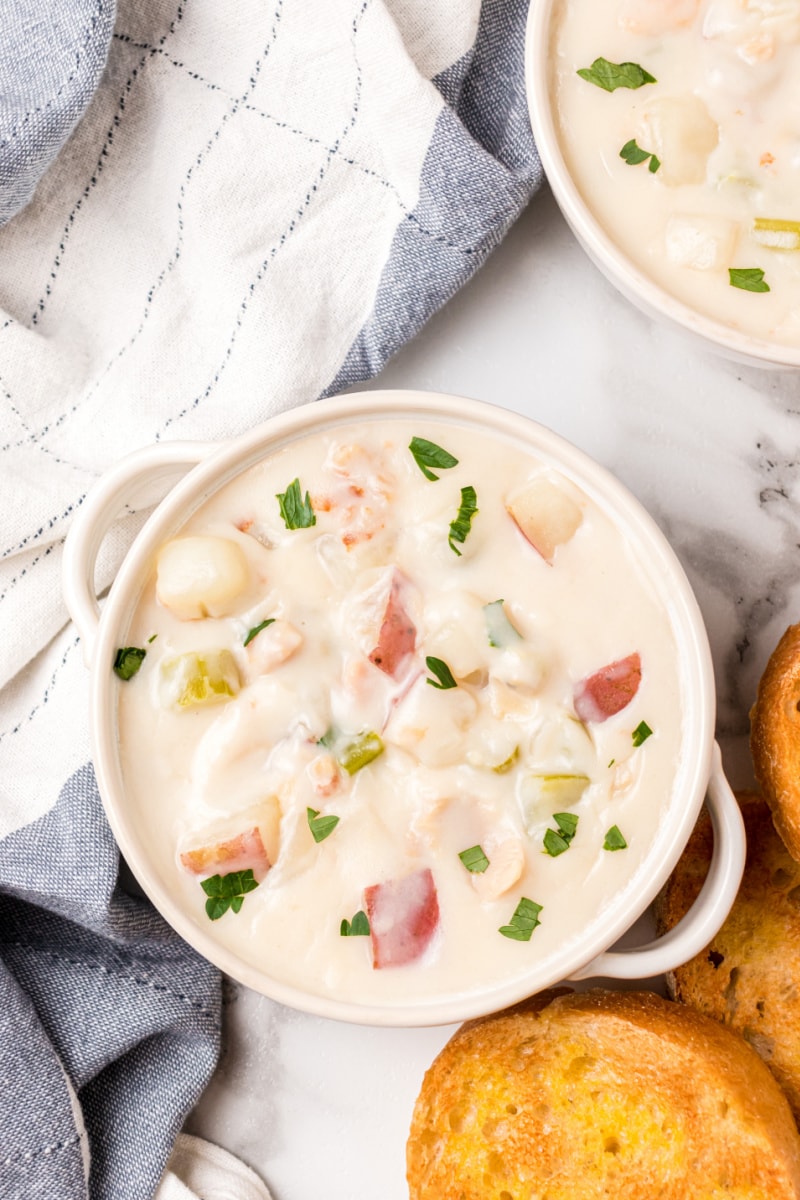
{"x":700,"y":242}
{"x":682,"y":135}
{"x":456,"y":626}
{"x":546,"y":515}
{"x":493,"y":745}
{"x":201,"y":576}
{"x":430,"y":724}
{"x":198,"y":679}
{"x":653,"y":17}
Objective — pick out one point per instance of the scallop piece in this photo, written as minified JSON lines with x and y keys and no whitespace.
{"x":701,"y":242}
{"x":682,"y":135}
{"x":201,"y":576}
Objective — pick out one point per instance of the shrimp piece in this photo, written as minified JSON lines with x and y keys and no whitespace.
{"x":271,"y":647}
{"x":358,"y":498}
{"x":654,"y":17}
{"x":323,"y":771}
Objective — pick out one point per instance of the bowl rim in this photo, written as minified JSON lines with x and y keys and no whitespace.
{"x":232,"y":458}
{"x":613,"y":262}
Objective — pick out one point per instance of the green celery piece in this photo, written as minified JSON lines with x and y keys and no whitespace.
{"x":360,"y":751}
{"x":197,"y":679}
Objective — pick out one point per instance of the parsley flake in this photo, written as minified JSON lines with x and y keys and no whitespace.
{"x":556,"y":843}
{"x":128,"y":660}
{"x":358,"y":927}
{"x":256,"y":630}
{"x":297,"y":513}
{"x":610,"y":76}
{"x":614,"y":840}
{"x":227,"y":891}
{"x":641,"y":733}
{"x":523,"y":922}
{"x":474,"y":860}
{"x":442,"y":672}
{"x":428,"y":454}
{"x":321,"y":827}
{"x":150,"y":640}
{"x":634,"y":155}
{"x":749,"y":279}
{"x":460,"y":527}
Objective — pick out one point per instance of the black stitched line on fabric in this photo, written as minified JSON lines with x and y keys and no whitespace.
{"x":115,"y":124}
{"x":132,"y":977}
{"x":367,"y":172}
{"x":45,"y":695}
{"x":243,"y":307}
{"x":29,"y":1155}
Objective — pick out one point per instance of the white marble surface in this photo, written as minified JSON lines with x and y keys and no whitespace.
{"x":711,"y":449}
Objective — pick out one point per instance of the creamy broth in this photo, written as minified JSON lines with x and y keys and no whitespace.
{"x":441,"y":680}
{"x":723,"y":191}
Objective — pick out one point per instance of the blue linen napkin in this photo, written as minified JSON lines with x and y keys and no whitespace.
{"x":251,"y":213}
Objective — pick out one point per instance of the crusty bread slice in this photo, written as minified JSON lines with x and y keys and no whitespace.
{"x":775,"y":737}
{"x":601,"y":1094}
{"x":749,"y":976}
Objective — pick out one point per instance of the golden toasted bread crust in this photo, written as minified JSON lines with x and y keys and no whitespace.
{"x":749,"y":976}
{"x":775,"y":737}
{"x":601,"y":1094}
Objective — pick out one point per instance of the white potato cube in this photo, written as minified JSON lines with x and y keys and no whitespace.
{"x":700,"y":242}
{"x":546,"y":514}
{"x":681,"y":134}
{"x":201,"y":576}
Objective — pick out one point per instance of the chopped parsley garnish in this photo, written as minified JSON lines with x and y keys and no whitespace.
{"x":523,"y":922}
{"x":328,"y":739}
{"x":358,"y":927}
{"x":227,"y":891}
{"x":611,"y":763}
{"x":128,"y":660}
{"x":556,"y":843}
{"x":634,"y":155}
{"x":641,"y":733}
{"x":610,"y":76}
{"x":614,"y":840}
{"x":321,"y":827}
{"x":749,"y":279}
{"x":474,"y":860}
{"x":442,"y":672}
{"x":428,"y":454}
{"x":460,"y":528}
{"x":256,"y":630}
{"x":297,"y":513}
{"x":150,"y":640}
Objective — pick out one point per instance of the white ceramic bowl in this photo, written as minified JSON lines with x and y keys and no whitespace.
{"x":698,"y":773}
{"x":603,"y":251}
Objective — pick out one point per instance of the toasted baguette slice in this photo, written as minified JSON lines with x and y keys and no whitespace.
{"x":749,"y":976}
{"x":775,"y":737}
{"x":601,"y":1094}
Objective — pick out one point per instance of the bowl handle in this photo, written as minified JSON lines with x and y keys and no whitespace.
{"x":697,"y":928}
{"x":97,"y":514}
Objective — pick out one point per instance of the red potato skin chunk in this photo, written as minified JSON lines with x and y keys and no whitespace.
{"x":403,"y":917}
{"x":609,"y":690}
{"x":398,"y":636}
{"x":240,"y":853}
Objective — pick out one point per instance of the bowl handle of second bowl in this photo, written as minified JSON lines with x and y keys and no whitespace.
{"x":698,"y":927}
{"x":99,"y":511}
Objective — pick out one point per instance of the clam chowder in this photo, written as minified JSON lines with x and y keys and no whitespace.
{"x":399,"y":711}
{"x":678,"y":121}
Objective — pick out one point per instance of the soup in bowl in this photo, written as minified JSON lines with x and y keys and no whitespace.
{"x":665,"y":131}
{"x":402,"y":708}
